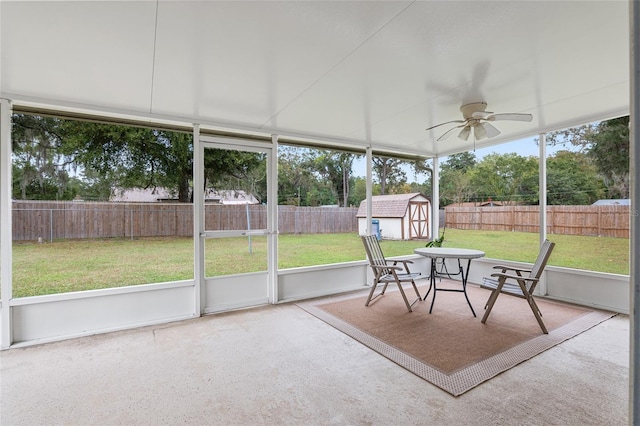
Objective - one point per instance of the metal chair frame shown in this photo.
(525, 284)
(388, 271)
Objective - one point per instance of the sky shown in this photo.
(522, 147)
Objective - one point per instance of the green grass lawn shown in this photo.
(74, 265)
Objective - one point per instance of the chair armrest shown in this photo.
(399, 261)
(509, 268)
(376, 267)
(515, 277)
(404, 262)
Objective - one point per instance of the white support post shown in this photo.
(272, 214)
(369, 192)
(542, 171)
(198, 222)
(435, 199)
(542, 195)
(634, 174)
(6, 331)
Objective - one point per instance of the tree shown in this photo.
(296, 177)
(132, 157)
(236, 170)
(336, 168)
(572, 179)
(607, 144)
(359, 191)
(455, 185)
(610, 153)
(463, 161)
(390, 174)
(105, 156)
(509, 178)
(40, 171)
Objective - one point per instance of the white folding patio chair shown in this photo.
(388, 271)
(523, 286)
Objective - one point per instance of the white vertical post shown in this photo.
(369, 192)
(272, 214)
(6, 331)
(249, 225)
(198, 222)
(634, 174)
(542, 197)
(542, 172)
(435, 199)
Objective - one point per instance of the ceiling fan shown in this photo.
(477, 120)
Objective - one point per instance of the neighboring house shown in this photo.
(154, 195)
(229, 196)
(619, 202)
(141, 195)
(488, 203)
(399, 216)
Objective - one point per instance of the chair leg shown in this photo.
(404, 296)
(536, 312)
(532, 304)
(415, 288)
(492, 300)
(373, 289)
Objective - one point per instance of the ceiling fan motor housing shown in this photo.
(468, 109)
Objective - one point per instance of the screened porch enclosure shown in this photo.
(365, 77)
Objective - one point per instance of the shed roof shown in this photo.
(395, 205)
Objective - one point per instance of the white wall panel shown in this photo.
(588, 288)
(604, 291)
(61, 316)
(55, 317)
(304, 283)
(235, 291)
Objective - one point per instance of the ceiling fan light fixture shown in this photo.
(489, 129)
(479, 132)
(464, 133)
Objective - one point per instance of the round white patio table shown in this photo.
(444, 253)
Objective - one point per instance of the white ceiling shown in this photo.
(361, 73)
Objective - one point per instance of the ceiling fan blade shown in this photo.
(488, 130)
(442, 124)
(510, 117)
(464, 133)
(481, 115)
(448, 133)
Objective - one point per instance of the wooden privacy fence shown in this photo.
(603, 221)
(50, 220)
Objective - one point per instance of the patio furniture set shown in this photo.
(509, 280)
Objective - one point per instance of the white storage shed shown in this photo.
(399, 216)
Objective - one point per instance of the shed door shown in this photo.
(418, 220)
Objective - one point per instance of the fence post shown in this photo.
(50, 225)
(599, 221)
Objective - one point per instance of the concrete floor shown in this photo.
(280, 365)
